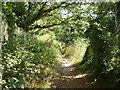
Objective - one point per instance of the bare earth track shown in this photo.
(71, 77)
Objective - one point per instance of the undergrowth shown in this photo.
(28, 62)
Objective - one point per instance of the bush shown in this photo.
(28, 63)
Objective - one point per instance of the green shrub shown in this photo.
(28, 63)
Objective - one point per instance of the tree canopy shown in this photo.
(49, 29)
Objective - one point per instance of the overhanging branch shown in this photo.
(47, 26)
(53, 8)
(43, 13)
(39, 15)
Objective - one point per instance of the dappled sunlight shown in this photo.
(66, 63)
(74, 77)
(80, 76)
(62, 44)
(71, 76)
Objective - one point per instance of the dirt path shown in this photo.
(71, 77)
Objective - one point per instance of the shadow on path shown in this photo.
(71, 77)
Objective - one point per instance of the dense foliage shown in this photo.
(102, 53)
(38, 31)
(30, 64)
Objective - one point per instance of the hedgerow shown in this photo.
(28, 63)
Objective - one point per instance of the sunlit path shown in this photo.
(71, 77)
